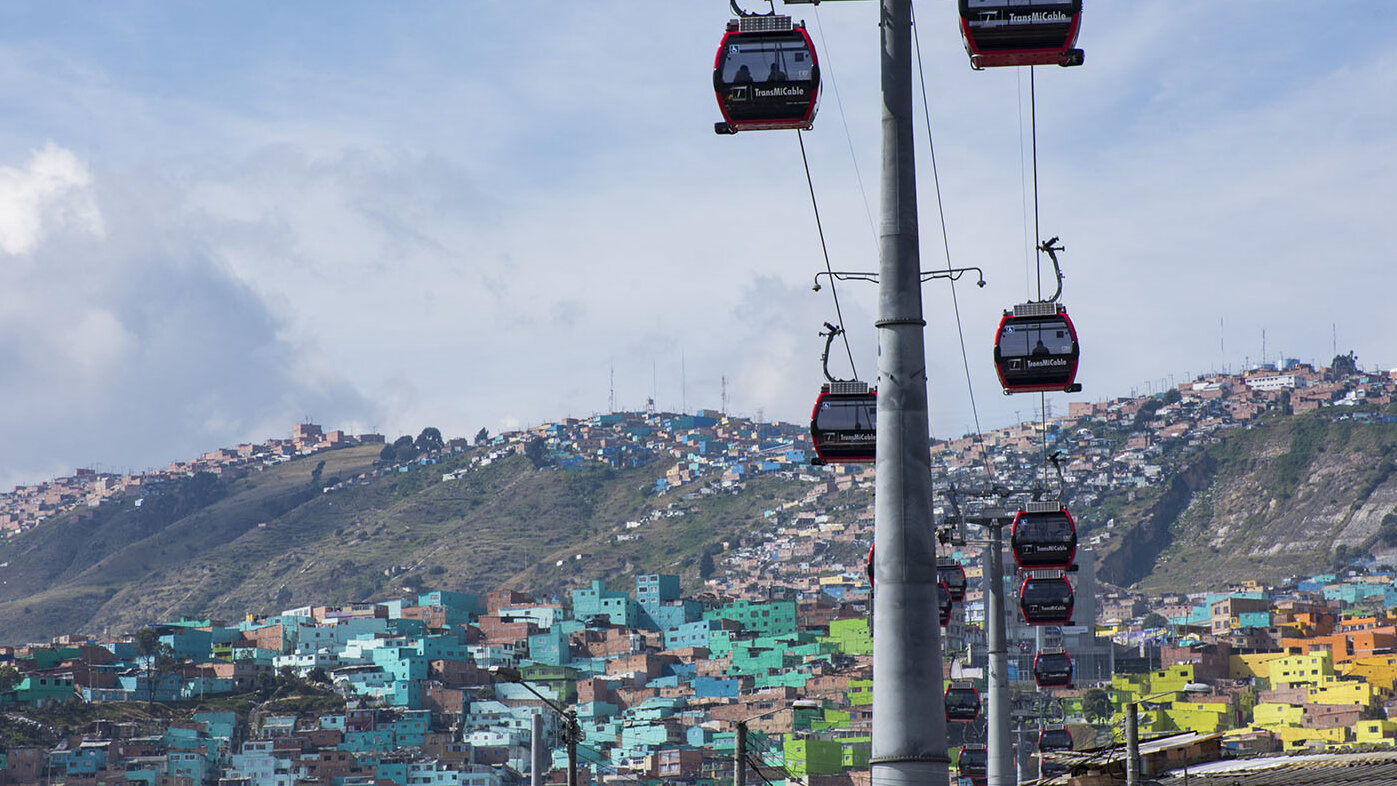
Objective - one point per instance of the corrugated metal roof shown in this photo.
(1368, 769)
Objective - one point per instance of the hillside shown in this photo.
(272, 540)
(1289, 496)
(1280, 496)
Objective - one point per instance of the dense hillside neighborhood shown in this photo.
(445, 687)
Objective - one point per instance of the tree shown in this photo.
(536, 450)
(1097, 704)
(388, 453)
(706, 566)
(404, 449)
(1344, 365)
(482, 436)
(1172, 396)
(1154, 620)
(9, 678)
(160, 658)
(429, 440)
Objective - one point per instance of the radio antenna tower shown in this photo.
(724, 406)
(611, 399)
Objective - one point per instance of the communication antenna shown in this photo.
(683, 385)
(611, 400)
(723, 407)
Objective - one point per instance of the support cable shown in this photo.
(828, 70)
(838, 313)
(946, 245)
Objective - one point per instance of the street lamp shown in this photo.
(571, 732)
(739, 747)
(1132, 729)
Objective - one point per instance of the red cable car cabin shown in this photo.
(1052, 670)
(1046, 601)
(844, 423)
(1044, 539)
(765, 75)
(1036, 351)
(974, 763)
(962, 703)
(953, 575)
(1054, 739)
(1021, 32)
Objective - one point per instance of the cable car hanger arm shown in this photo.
(1051, 247)
(824, 356)
(952, 274)
(736, 9)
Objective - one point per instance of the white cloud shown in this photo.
(48, 192)
(458, 217)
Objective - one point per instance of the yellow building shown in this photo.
(1377, 732)
(1308, 669)
(1241, 667)
(1273, 715)
(1351, 692)
(1377, 670)
(1204, 718)
(1296, 738)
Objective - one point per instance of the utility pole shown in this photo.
(1001, 770)
(739, 755)
(909, 719)
(1000, 739)
(1132, 744)
(536, 751)
(571, 729)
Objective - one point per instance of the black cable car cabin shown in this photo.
(944, 603)
(1021, 32)
(1044, 539)
(1036, 350)
(1054, 739)
(962, 703)
(1046, 601)
(974, 763)
(765, 75)
(844, 423)
(953, 576)
(1052, 670)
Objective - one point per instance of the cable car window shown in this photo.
(953, 576)
(1055, 740)
(848, 414)
(973, 762)
(962, 704)
(766, 60)
(1021, 339)
(1047, 592)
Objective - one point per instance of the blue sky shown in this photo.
(218, 219)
